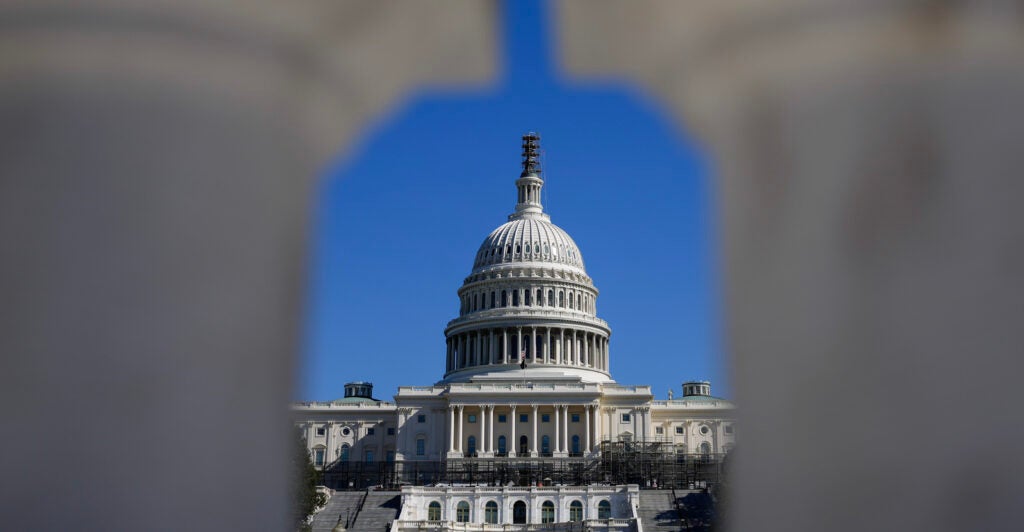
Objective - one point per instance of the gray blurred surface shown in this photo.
(868, 173)
(155, 165)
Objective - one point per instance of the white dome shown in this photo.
(528, 240)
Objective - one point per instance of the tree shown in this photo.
(305, 478)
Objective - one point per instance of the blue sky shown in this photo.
(397, 223)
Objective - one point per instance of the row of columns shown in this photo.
(561, 346)
(527, 297)
(487, 442)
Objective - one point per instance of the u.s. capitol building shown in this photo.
(526, 403)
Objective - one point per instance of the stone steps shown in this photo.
(657, 510)
(341, 505)
(379, 510)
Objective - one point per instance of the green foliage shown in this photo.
(306, 478)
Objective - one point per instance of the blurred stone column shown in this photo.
(155, 168)
(868, 174)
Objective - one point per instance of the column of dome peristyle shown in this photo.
(528, 308)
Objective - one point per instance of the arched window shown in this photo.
(570, 300)
(519, 249)
(528, 248)
(515, 298)
(526, 298)
(519, 513)
(492, 299)
(540, 347)
(504, 298)
(561, 299)
(526, 344)
(576, 511)
(434, 511)
(318, 455)
(547, 249)
(491, 512)
(705, 448)
(551, 298)
(502, 445)
(575, 444)
(540, 297)
(604, 510)
(344, 452)
(524, 444)
(545, 445)
(579, 301)
(462, 512)
(475, 301)
(547, 512)
(421, 446)
(472, 446)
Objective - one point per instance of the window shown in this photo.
(421, 418)
(626, 418)
(318, 456)
(519, 512)
(391, 431)
(547, 512)
(462, 512)
(472, 418)
(369, 431)
(576, 511)
(472, 445)
(705, 448)
(575, 418)
(561, 299)
(492, 299)
(679, 429)
(502, 418)
(369, 457)
(502, 445)
(345, 431)
(575, 444)
(540, 297)
(551, 298)
(515, 298)
(320, 431)
(344, 453)
(524, 444)
(504, 298)
(526, 298)
(545, 418)
(659, 430)
(421, 446)
(524, 418)
(545, 445)
(390, 456)
(604, 510)
(704, 430)
(434, 511)
(491, 512)
(728, 429)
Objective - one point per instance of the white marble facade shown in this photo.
(526, 368)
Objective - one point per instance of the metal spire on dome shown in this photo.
(531, 154)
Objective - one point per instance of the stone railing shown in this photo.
(514, 313)
(327, 405)
(611, 525)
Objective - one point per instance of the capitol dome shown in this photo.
(528, 309)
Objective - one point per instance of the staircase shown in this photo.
(379, 510)
(342, 506)
(658, 511)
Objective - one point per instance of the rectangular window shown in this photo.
(391, 431)
(421, 418)
(502, 418)
(369, 457)
(659, 430)
(524, 418)
(575, 418)
(390, 456)
(369, 431)
(472, 418)
(728, 429)
(320, 431)
(626, 418)
(421, 447)
(545, 418)
(318, 457)
(679, 429)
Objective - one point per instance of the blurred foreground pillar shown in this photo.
(155, 166)
(869, 165)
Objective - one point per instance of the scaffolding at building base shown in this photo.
(653, 464)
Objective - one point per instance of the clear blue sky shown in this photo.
(397, 224)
